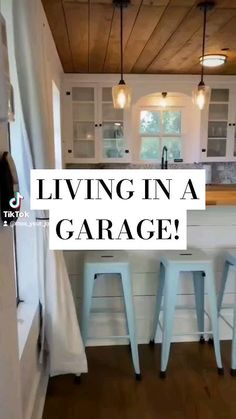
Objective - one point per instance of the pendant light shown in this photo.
(121, 93)
(163, 101)
(202, 92)
(213, 60)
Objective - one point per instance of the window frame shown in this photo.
(17, 285)
(160, 135)
(14, 249)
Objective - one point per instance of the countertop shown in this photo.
(221, 194)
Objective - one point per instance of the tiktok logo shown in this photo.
(16, 201)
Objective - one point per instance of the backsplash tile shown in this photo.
(224, 173)
(221, 173)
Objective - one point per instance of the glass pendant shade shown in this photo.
(121, 94)
(201, 93)
(163, 101)
(201, 96)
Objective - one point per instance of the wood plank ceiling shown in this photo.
(160, 36)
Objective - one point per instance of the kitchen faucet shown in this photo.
(164, 161)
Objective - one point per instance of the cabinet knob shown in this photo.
(203, 150)
(100, 125)
(69, 151)
(233, 125)
(127, 151)
(96, 125)
(68, 93)
(230, 124)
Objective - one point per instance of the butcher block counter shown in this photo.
(221, 194)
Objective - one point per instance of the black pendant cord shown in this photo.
(203, 42)
(121, 44)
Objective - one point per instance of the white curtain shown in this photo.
(31, 129)
(66, 349)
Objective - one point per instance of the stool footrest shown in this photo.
(107, 311)
(227, 306)
(110, 337)
(188, 307)
(202, 339)
(207, 332)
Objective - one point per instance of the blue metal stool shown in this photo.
(172, 263)
(104, 262)
(229, 261)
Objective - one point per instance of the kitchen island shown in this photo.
(213, 230)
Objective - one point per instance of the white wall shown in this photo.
(56, 105)
(24, 366)
(53, 74)
(212, 230)
(31, 372)
(10, 396)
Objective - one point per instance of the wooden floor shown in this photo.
(192, 389)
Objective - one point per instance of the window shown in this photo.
(159, 128)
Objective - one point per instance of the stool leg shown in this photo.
(198, 282)
(170, 295)
(129, 309)
(158, 303)
(88, 284)
(210, 285)
(222, 285)
(233, 348)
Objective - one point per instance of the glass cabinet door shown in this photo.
(218, 123)
(113, 142)
(83, 113)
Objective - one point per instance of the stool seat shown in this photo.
(98, 263)
(185, 260)
(106, 261)
(171, 264)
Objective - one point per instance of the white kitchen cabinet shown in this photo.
(218, 126)
(93, 131)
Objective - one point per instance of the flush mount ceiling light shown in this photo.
(202, 92)
(121, 93)
(213, 60)
(163, 101)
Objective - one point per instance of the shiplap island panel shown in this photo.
(212, 230)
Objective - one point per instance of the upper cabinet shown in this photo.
(113, 144)
(218, 130)
(93, 131)
(84, 117)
